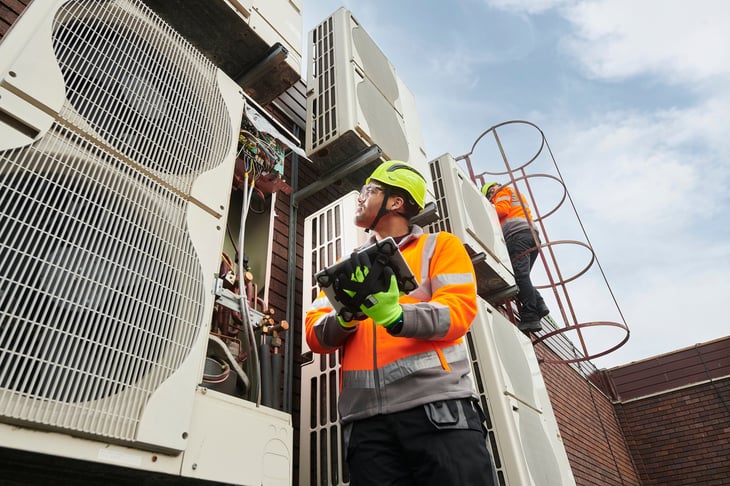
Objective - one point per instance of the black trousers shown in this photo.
(530, 298)
(439, 444)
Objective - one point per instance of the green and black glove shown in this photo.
(383, 307)
(357, 277)
(368, 289)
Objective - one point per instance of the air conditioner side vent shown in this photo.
(465, 213)
(355, 100)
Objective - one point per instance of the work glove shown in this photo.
(383, 307)
(358, 276)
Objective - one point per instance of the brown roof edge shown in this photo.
(684, 367)
(670, 353)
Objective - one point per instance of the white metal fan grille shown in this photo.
(142, 88)
(100, 287)
(329, 234)
(444, 222)
(323, 81)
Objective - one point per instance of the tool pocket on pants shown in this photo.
(453, 414)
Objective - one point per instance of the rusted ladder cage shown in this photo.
(531, 169)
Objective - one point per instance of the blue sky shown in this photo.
(634, 101)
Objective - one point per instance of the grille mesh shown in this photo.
(101, 289)
(329, 235)
(136, 83)
(324, 123)
(99, 286)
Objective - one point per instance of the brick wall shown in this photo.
(279, 289)
(9, 12)
(591, 432)
(681, 437)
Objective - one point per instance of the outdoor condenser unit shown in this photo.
(523, 433)
(258, 43)
(355, 99)
(466, 213)
(329, 235)
(117, 145)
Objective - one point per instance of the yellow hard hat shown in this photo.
(487, 186)
(401, 174)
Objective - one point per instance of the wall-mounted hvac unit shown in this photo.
(466, 213)
(523, 433)
(258, 43)
(117, 145)
(355, 99)
(329, 235)
(279, 21)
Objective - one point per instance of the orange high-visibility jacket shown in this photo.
(427, 361)
(508, 207)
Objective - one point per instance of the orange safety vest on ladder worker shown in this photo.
(428, 360)
(508, 207)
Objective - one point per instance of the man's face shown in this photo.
(492, 191)
(368, 204)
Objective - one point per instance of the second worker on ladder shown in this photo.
(522, 248)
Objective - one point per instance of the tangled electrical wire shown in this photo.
(261, 153)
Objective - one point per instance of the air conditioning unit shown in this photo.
(466, 213)
(117, 147)
(255, 42)
(523, 432)
(329, 236)
(279, 21)
(355, 99)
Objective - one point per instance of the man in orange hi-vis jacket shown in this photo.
(407, 402)
(522, 249)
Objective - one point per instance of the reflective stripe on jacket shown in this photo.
(427, 360)
(508, 207)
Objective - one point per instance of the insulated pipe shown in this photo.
(245, 314)
(277, 361)
(266, 382)
(291, 285)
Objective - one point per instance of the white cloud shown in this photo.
(684, 41)
(651, 190)
(614, 39)
(528, 6)
(673, 310)
(649, 168)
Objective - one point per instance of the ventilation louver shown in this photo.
(329, 235)
(522, 430)
(111, 196)
(466, 213)
(355, 99)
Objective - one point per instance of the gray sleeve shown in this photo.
(425, 320)
(330, 333)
